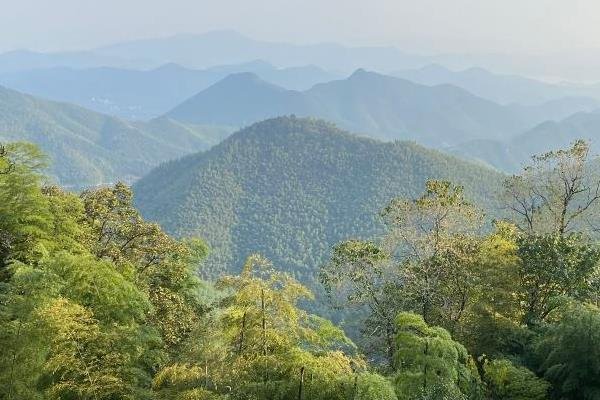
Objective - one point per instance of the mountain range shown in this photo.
(373, 104)
(229, 47)
(511, 155)
(145, 94)
(290, 187)
(223, 47)
(89, 148)
(500, 88)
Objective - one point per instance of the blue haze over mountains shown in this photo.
(188, 92)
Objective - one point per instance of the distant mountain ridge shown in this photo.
(381, 106)
(88, 148)
(134, 94)
(229, 47)
(500, 88)
(511, 155)
(205, 50)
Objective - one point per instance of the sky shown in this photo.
(418, 26)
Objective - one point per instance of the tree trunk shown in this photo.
(301, 387)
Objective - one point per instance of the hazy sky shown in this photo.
(423, 26)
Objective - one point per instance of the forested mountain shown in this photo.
(512, 154)
(501, 88)
(88, 148)
(135, 94)
(289, 188)
(385, 107)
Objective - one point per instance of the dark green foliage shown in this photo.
(569, 353)
(554, 268)
(427, 361)
(507, 381)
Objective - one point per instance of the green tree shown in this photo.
(431, 237)
(90, 322)
(492, 325)
(557, 193)
(553, 267)
(164, 268)
(360, 274)
(507, 381)
(427, 361)
(370, 386)
(267, 347)
(24, 216)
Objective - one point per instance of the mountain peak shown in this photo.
(435, 68)
(361, 73)
(242, 76)
(170, 67)
(243, 80)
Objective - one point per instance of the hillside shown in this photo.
(89, 148)
(377, 105)
(135, 94)
(289, 188)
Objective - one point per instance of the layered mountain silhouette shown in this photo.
(503, 88)
(381, 106)
(512, 155)
(145, 94)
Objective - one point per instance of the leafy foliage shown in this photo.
(568, 353)
(508, 381)
(427, 360)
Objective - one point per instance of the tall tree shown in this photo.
(553, 268)
(427, 360)
(361, 274)
(557, 193)
(24, 216)
(431, 237)
(270, 348)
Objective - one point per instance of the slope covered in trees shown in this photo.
(380, 106)
(289, 188)
(88, 148)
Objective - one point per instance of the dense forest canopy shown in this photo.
(98, 303)
(290, 188)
